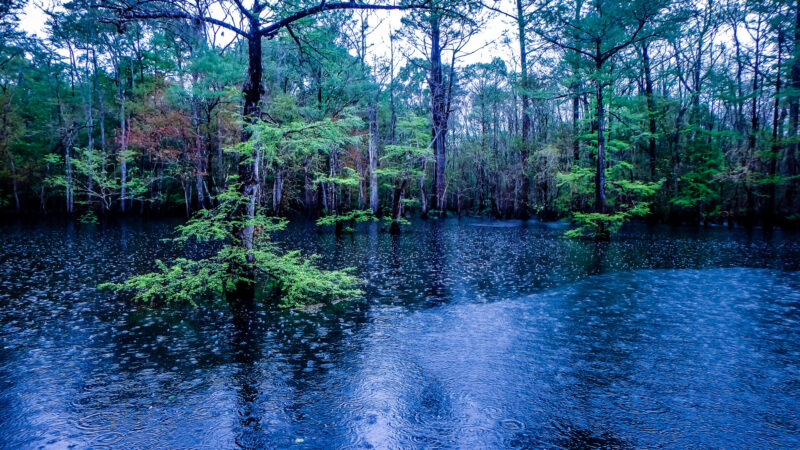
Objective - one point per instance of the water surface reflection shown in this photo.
(472, 333)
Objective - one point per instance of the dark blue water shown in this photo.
(472, 334)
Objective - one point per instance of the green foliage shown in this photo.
(347, 177)
(296, 279)
(92, 179)
(626, 190)
(352, 217)
(699, 185)
(577, 182)
(299, 281)
(88, 217)
(280, 142)
(411, 202)
(403, 161)
(626, 195)
(400, 221)
(596, 225)
(184, 280)
(436, 213)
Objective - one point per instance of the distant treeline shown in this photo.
(598, 111)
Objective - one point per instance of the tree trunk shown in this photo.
(199, 146)
(794, 112)
(439, 115)
(739, 70)
(277, 191)
(5, 135)
(187, 198)
(777, 134)
(123, 146)
(524, 209)
(102, 113)
(42, 198)
(396, 207)
(648, 89)
(244, 291)
(576, 108)
(197, 36)
(373, 158)
(14, 185)
(754, 125)
(423, 196)
(676, 150)
(310, 192)
(600, 176)
(88, 105)
(68, 171)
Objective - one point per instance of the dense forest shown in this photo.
(597, 111)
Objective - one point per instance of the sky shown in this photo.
(483, 47)
(33, 19)
(486, 45)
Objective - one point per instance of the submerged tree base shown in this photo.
(235, 270)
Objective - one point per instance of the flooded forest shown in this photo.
(399, 223)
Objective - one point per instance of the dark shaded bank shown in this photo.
(472, 333)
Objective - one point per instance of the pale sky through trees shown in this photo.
(486, 45)
(496, 38)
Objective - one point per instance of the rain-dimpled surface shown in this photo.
(473, 334)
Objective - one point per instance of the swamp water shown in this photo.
(472, 334)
